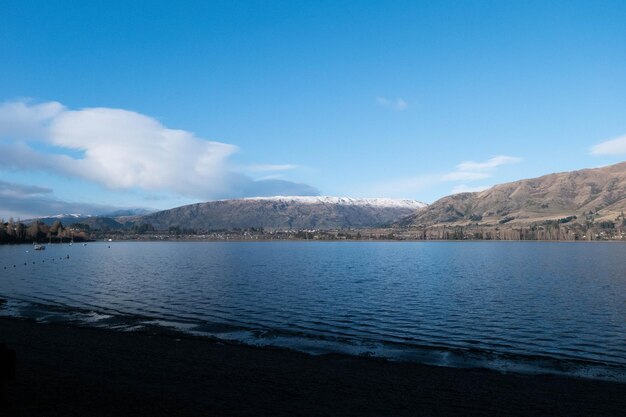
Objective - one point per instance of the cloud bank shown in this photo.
(615, 146)
(126, 150)
(27, 201)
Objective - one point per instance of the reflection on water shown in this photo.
(509, 305)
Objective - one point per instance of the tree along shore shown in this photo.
(17, 232)
(39, 232)
(537, 233)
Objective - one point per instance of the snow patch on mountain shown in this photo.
(70, 216)
(346, 201)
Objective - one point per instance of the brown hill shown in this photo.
(591, 195)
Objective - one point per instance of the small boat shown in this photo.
(39, 247)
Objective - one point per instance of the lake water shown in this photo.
(513, 306)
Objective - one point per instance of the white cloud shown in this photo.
(488, 165)
(27, 121)
(397, 104)
(270, 167)
(465, 171)
(472, 171)
(462, 188)
(122, 149)
(615, 146)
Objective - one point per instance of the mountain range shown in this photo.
(283, 213)
(107, 220)
(579, 197)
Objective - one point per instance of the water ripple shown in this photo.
(490, 300)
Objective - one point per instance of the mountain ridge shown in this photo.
(573, 202)
(596, 194)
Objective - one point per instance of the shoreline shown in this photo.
(438, 356)
(325, 241)
(68, 370)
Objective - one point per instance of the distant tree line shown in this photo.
(12, 231)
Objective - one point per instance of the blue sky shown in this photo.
(159, 104)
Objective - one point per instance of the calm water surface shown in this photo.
(521, 306)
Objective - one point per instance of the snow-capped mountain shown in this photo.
(285, 212)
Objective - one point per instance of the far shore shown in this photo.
(325, 241)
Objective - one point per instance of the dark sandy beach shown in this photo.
(73, 371)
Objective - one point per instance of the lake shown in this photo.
(513, 306)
